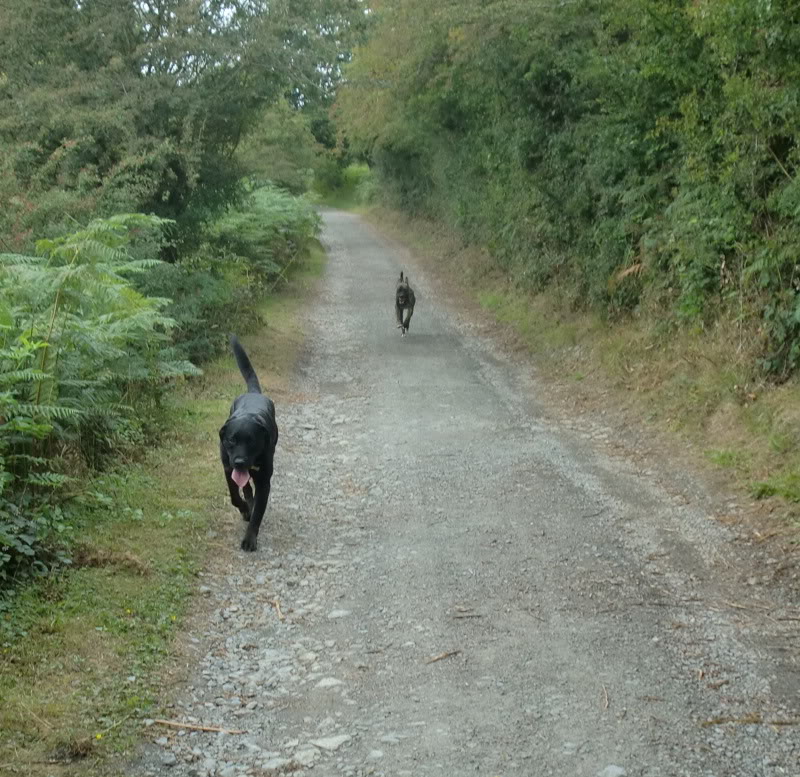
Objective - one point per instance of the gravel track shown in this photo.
(465, 585)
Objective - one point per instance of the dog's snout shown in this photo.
(239, 462)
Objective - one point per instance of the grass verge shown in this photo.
(697, 384)
(82, 652)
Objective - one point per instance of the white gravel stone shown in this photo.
(307, 756)
(329, 682)
(612, 771)
(331, 743)
(333, 614)
(169, 759)
(276, 763)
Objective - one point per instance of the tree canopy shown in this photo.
(139, 105)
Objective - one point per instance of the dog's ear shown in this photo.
(264, 424)
(401, 276)
(222, 430)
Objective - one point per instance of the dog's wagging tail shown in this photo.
(247, 443)
(245, 367)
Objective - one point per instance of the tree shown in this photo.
(280, 149)
(139, 105)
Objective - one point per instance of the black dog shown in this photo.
(404, 300)
(247, 446)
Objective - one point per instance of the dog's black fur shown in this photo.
(404, 299)
(247, 442)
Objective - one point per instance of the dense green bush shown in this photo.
(207, 297)
(349, 186)
(636, 153)
(267, 231)
(84, 361)
(92, 333)
(280, 149)
(217, 289)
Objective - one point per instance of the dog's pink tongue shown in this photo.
(241, 477)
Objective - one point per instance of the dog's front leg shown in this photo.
(248, 497)
(250, 540)
(409, 313)
(398, 311)
(236, 497)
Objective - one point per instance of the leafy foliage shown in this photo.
(140, 105)
(243, 254)
(640, 154)
(280, 149)
(267, 231)
(84, 360)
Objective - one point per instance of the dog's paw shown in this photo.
(249, 543)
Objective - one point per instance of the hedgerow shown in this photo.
(640, 155)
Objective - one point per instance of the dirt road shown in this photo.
(449, 582)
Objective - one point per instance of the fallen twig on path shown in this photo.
(465, 612)
(750, 607)
(594, 515)
(755, 718)
(196, 727)
(446, 654)
(605, 700)
(277, 605)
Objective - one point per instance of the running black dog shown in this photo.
(247, 443)
(404, 300)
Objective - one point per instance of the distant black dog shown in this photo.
(247, 446)
(404, 300)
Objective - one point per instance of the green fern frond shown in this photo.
(12, 260)
(22, 376)
(138, 265)
(45, 411)
(13, 458)
(175, 369)
(86, 384)
(48, 479)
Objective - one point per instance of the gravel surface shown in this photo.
(449, 581)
